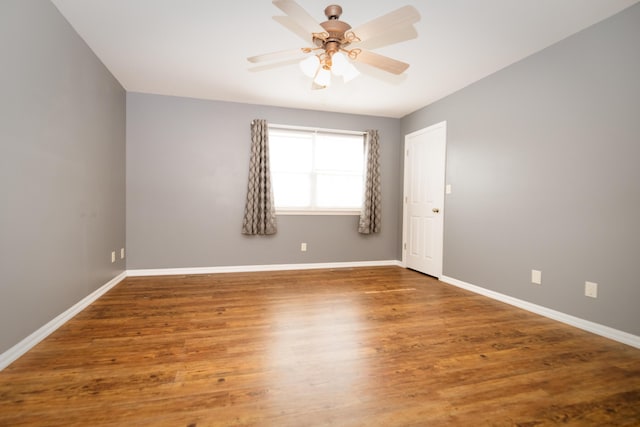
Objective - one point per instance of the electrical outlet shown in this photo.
(113, 256)
(591, 289)
(536, 277)
(303, 247)
(121, 253)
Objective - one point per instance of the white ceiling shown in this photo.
(198, 48)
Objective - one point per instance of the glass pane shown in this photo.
(290, 153)
(339, 191)
(340, 153)
(291, 190)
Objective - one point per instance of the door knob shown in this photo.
(435, 210)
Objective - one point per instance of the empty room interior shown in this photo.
(297, 213)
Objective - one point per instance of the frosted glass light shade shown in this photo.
(350, 72)
(340, 63)
(323, 77)
(309, 66)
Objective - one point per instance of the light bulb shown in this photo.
(309, 66)
(340, 63)
(323, 77)
(350, 72)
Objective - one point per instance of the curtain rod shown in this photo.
(312, 129)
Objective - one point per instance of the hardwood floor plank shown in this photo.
(378, 346)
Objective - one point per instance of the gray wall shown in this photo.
(187, 169)
(543, 162)
(62, 166)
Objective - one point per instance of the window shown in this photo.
(316, 171)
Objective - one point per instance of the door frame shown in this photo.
(405, 222)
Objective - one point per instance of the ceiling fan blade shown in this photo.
(276, 56)
(404, 16)
(299, 15)
(292, 26)
(385, 63)
(400, 35)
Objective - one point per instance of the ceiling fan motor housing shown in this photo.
(336, 30)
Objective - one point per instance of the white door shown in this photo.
(423, 221)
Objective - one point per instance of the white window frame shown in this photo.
(314, 210)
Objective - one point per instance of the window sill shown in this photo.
(317, 212)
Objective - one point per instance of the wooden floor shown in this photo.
(378, 346)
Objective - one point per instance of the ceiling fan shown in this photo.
(335, 43)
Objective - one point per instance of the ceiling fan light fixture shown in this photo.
(309, 66)
(350, 72)
(323, 77)
(340, 64)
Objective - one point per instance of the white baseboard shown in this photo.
(254, 268)
(596, 328)
(29, 342)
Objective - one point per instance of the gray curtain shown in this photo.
(259, 211)
(370, 216)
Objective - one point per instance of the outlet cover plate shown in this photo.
(591, 289)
